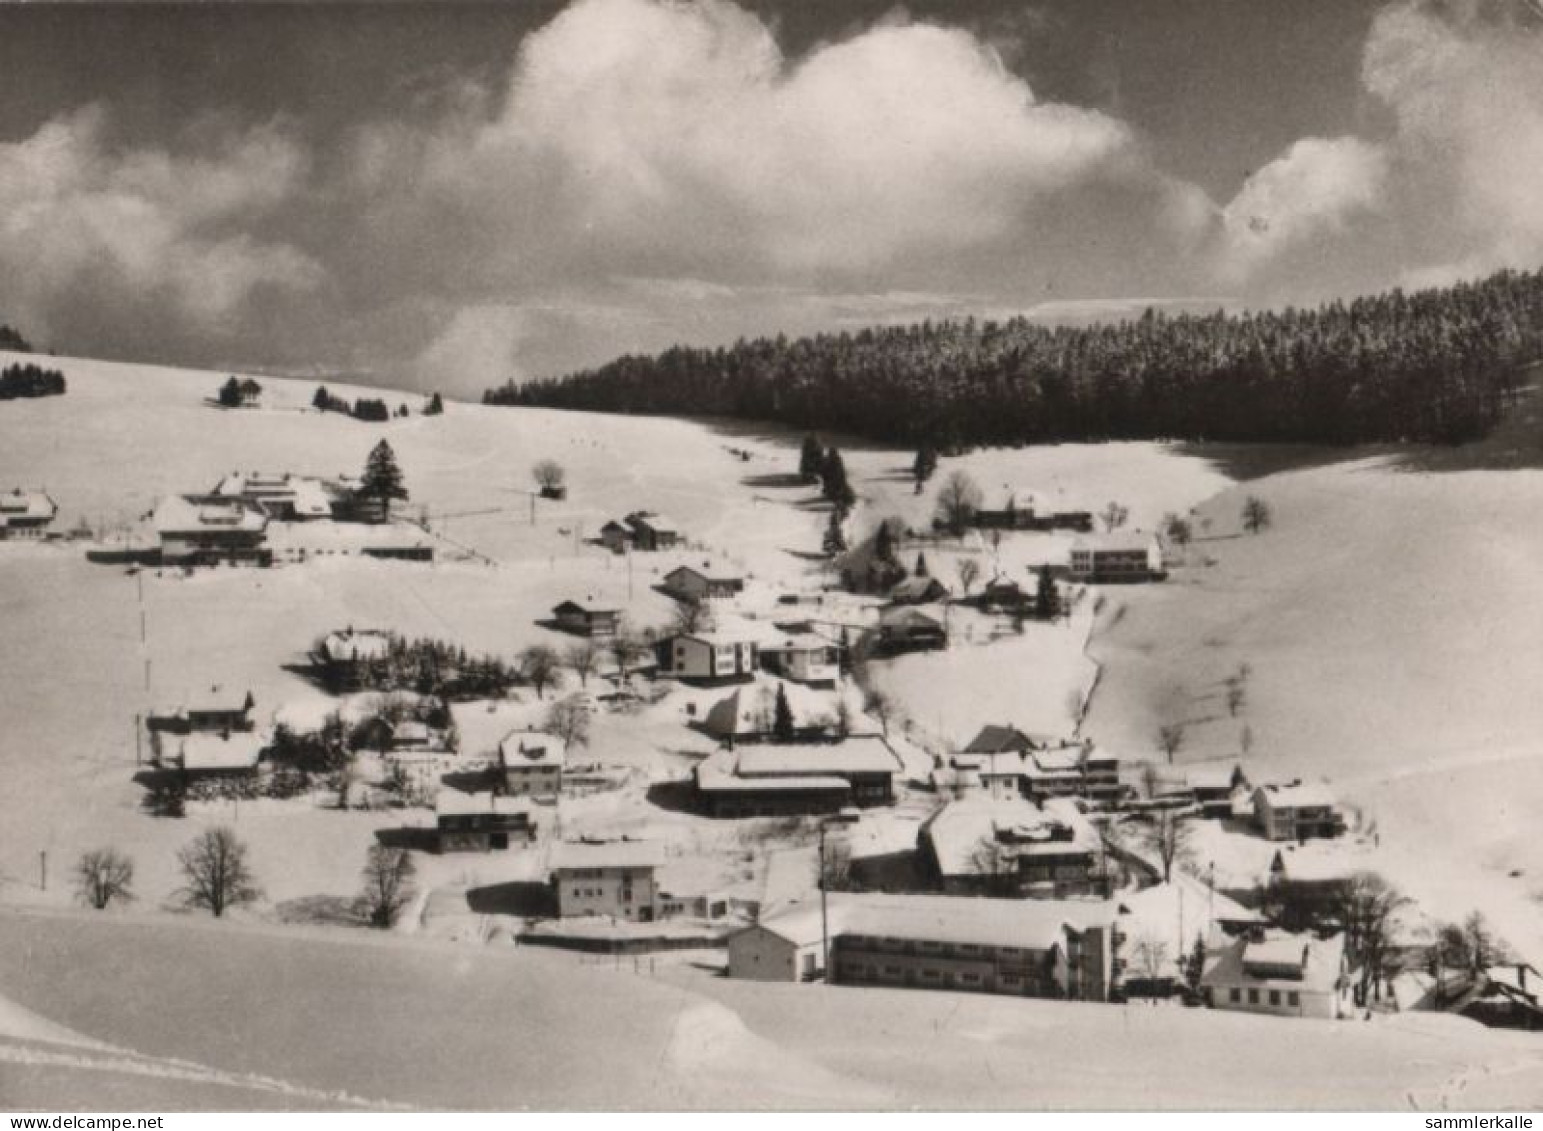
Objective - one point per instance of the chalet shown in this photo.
(531, 763)
(1278, 973)
(709, 582)
(480, 822)
(207, 530)
(748, 713)
(788, 779)
(987, 845)
(210, 754)
(707, 657)
(1003, 594)
(279, 495)
(1217, 790)
(1002, 946)
(1296, 811)
(804, 657)
(344, 659)
(209, 709)
(1116, 557)
(1178, 911)
(909, 630)
(917, 591)
(1006, 761)
(25, 514)
(652, 532)
(616, 537)
(573, 617)
(615, 879)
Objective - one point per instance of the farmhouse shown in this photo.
(802, 656)
(345, 658)
(1116, 557)
(707, 657)
(1278, 973)
(652, 531)
(571, 616)
(616, 537)
(1296, 811)
(1007, 761)
(1015, 513)
(1218, 791)
(917, 591)
(787, 779)
(279, 495)
(208, 709)
(210, 754)
(909, 630)
(748, 713)
(531, 763)
(480, 822)
(986, 845)
(1506, 997)
(207, 530)
(615, 879)
(709, 582)
(25, 514)
(1002, 946)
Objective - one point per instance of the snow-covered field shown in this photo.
(1386, 617)
(1393, 625)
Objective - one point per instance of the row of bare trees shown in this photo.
(218, 876)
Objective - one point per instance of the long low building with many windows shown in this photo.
(1022, 948)
(774, 779)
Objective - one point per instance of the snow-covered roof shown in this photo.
(362, 644)
(453, 803)
(310, 497)
(1114, 542)
(26, 506)
(860, 754)
(707, 570)
(1030, 924)
(1251, 963)
(1298, 795)
(214, 699)
(655, 522)
(576, 607)
(795, 642)
(208, 750)
(717, 638)
(908, 618)
(532, 749)
(1012, 826)
(193, 514)
(569, 855)
(994, 739)
(748, 709)
(1159, 910)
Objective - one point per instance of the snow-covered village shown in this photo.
(928, 709)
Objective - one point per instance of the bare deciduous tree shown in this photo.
(540, 665)
(878, 704)
(996, 865)
(691, 616)
(568, 719)
(627, 648)
(103, 875)
(1236, 696)
(548, 474)
(1366, 905)
(1167, 836)
(216, 870)
(582, 658)
(969, 572)
(388, 885)
(1114, 516)
(958, 500)
(1170, 739)
(1151, 957)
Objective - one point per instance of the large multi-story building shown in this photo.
(615, 879)
(776, 779)
(25, 514)
(208, 530)
(531, 762)
(1116, 557)
(1297, 811)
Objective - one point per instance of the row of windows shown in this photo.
(1293, 998)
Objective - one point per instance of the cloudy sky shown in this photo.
(446, 195)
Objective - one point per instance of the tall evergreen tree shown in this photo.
(811, 459)
(230, 394)
(921, 566)
(1044, 596)
(835, 538)
(782, 717)
(382, 480)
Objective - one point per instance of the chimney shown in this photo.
(1521, 975)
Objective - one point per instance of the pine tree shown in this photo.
(323, 399)
(835, 537)
(925, 464)
(884, 544)
(1194, 965)
(921, 566)
(383, 478)
(782, 717)
(230, 394)
(811, 459)
(1044, 597)
(434, 407)
(833, 477)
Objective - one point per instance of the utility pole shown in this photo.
(824, 912)
(43, 869)
(138, 758)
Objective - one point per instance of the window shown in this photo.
(1253, 997)
(1293, 999)
(1274, 997)
(1235, 995)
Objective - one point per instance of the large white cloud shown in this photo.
(142, 231)
(1314, 189)
(1464, 81)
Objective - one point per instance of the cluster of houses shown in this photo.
(230, 524)
(646, 531)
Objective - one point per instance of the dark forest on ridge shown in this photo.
(1435, 366)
